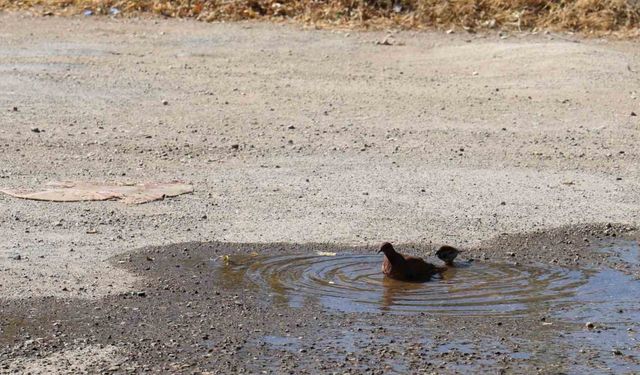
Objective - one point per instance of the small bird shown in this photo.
(404, 267)
(447, 254)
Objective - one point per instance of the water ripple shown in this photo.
(354, 283)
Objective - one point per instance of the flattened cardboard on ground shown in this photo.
(75, 191)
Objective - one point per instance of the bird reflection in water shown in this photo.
(403, 293)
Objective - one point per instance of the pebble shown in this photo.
(165, 102)
(36, 130)
(589, 325)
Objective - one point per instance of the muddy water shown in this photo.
(566, 299)
(354, 283)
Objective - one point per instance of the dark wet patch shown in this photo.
(198, 310)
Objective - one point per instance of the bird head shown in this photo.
(447, 254)
(387, 249)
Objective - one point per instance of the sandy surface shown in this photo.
(375, 153)
(299, 136)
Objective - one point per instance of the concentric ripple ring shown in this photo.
(354, 283)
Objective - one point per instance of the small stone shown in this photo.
(589, 325)
(141, 294)
(165, 102)
(235, 146)
(503, 203)
(291, 127)
(15, 109)
(36, 130)
(633, 114)
(16, 257)
(617, 352)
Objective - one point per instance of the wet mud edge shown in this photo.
(180, 320)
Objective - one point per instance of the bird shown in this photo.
(405, 267)
(447, 254)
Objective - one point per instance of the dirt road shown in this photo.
(300, 136)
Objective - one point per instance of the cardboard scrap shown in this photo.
(75, 191)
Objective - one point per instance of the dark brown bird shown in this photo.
(447, 254)
(404, 267)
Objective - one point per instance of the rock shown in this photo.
(589, 325)
(35, 130)
(15, 257)
(165, 102)
(235, 146)
(633, 114)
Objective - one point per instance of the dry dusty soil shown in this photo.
(523, 150)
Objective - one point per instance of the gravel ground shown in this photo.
(297, 136)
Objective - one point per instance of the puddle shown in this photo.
(627, 252)
(608, 296)
(354, 283)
